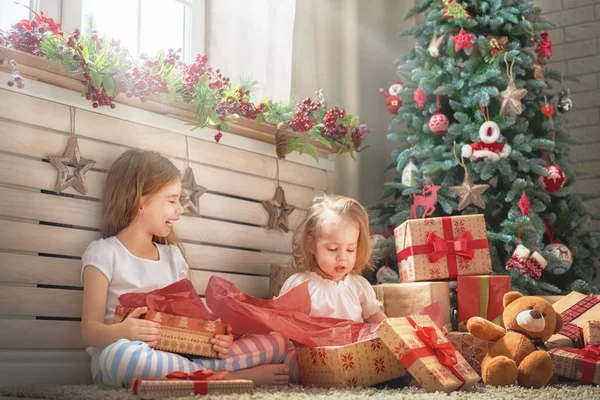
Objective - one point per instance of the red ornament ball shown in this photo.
(438, 123)
(554, 181)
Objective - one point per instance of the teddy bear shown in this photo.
(514, 357)
(393, 102)
(489, 148)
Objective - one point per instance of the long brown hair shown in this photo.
(134, 174)
(331, 210)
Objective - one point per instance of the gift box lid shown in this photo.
(174, 321)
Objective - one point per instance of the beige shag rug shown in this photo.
(294, 392)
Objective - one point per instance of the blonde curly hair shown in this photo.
(327, 210)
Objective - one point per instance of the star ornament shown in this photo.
(191, 192)
(511, 100)
(71, 157)
(279, 210)
(463, 40)
(469, 193)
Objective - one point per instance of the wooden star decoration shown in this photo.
(469, 193)
(511, 100)
(279, 211)
(71, 157)
(191, 192)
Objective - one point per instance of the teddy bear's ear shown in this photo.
(510, 297)
(559, 323)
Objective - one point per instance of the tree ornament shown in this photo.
(488, 147)
(279, 210)
(393, 102)
(555, 179)
(463, 40)
(468, 192)
(497, 45)
(544, 48)
(427, 200)
(548, 110)
(190, 192)
(535, 264)
(434, 45)
(518, 259)
(419, 97)
(438, 123)
(454, 10)
(511, 97)
(410, 174)
(524, 204)
(564, 255)
(565, 104)
(538, 72)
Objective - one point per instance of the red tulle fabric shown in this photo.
(287, 315)
(179, 298)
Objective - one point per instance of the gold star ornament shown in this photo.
(511, 100)
(71, 157)
(279, 211)
(191, 192)
(469, 193)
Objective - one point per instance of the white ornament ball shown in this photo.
(438, 123)
(563, 253)
(378, 253)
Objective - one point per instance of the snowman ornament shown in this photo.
(488, 147)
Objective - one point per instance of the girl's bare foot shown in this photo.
(268, 374)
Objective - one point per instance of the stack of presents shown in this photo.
(425, 339)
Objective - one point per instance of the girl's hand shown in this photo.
(222, 343)
(135, 328)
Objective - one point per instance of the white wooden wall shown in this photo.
(43, 235)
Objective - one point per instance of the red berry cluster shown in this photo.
(193, 72)
(148, 79)
(357, 135)
(26, 35)
(15, 73)
(303, 120)
(333, 129)
(242, 106)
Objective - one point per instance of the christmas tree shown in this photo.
(482, 118)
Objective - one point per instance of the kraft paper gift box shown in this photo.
(581, 364)
(591, 332)
(576, 309)
(427, 354)
(181, 384)
(482, 296)
(433, 249)
(364, 363)
(471, 348)
(182, 335)
(403, 299)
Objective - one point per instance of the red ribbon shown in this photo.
(200, 379)
(445, 352)
(437, 247)
(590, 357)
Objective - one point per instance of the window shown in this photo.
(11, 12)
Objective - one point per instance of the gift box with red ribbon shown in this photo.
(427, 354)
(591, 332)
(575, 309)
(472, 349)
(482, 296)
(432, 249)
(581, 364)
(181, 384)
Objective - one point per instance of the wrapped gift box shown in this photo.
(426, 353)
(433, 249)
(471, 348)
(591, 332)
(182, 335)
(576, 309)
(552, 299)
(582, 364)
(403, 299)
(186, 385)
(482, 296)
(364, 363)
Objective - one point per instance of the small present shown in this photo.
(179, 334)
(581, 364)
(433, 249)
(403, 299)
(591, 332)
(575, 309)
(427, 354)
(181, 384)
(482, 296)
(364, 363)
(472, 349)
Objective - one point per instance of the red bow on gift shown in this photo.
(201, 375)
(591, 356)
(445, 352)
(591, 351)
(458, 246)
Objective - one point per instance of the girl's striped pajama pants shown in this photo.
(124, 360)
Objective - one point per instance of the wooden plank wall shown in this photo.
(43, 235)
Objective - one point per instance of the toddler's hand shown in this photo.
(135, 328)
(222, 343)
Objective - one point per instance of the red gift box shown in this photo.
(482, 296)
(582, 364)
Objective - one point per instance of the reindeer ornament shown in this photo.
(426, 200)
